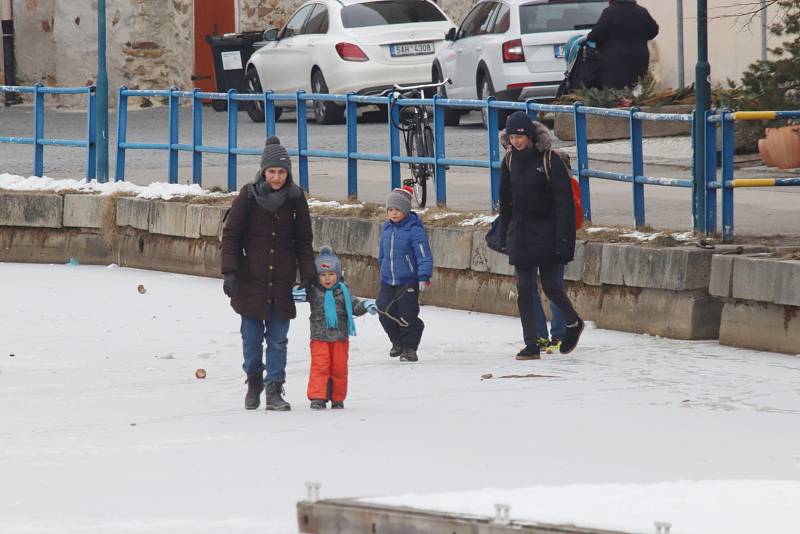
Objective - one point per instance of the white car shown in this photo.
(512, 49)
(343, 46)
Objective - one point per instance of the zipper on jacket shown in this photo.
(391, 257)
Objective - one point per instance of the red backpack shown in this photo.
(576, 186)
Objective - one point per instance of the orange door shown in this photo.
(211, 17)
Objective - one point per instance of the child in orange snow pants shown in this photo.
(331, 322)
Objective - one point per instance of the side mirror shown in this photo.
(271, 34)
(451, 34)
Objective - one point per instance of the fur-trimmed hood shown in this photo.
(541, 138)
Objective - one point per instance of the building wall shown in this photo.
(150, 42)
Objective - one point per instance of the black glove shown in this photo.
(231, 285)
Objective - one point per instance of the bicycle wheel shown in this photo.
(420, 172)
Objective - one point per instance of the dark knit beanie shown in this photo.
(400, 198)
(327, 261)
(275, 155)
(519, 123)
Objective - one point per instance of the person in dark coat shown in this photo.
(621, 34)
(537, 213)
(266, 239)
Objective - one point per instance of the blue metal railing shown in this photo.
(39, 141)
(394, 158)
(728, 183)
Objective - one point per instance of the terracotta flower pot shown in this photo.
(781, 147)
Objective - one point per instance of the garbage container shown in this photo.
(231, 52)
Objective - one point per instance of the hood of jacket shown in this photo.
(541, 138)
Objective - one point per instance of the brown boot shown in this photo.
(275, 401)
(255, 385)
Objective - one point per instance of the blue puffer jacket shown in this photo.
(405, 255)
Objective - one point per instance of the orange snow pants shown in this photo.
(328, 363)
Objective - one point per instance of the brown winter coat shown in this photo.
(277, 244)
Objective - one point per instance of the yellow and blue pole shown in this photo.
(101, 85)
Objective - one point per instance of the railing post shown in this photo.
(122, 132)
(582, 149)
(233, 109)
(352, 147)
(439, 152)
(637, 159)
(494, 150)
(38, 130)
(91, 137)
(710, 174)
(302, 139)
(197, 137)
(174, 129)
(727, 177)
(394, 142)
(269, 114)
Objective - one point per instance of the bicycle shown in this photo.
(415, 123)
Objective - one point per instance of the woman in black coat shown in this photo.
(538, 220)
(621, 34)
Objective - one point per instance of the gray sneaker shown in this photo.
(275, 402)
(408, 355)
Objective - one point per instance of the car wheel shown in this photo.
(255, 109)
(485, 90)
(452, 116)
(325, 112)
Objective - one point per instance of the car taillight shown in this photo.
(351, 52)
(512, 51)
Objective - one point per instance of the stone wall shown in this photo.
(658, 291)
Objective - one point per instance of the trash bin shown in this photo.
(231, 52)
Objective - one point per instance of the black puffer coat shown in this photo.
(537, 212)
(277, 245)
(621, 34)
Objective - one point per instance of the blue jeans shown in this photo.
(557, 326)
(254, 333)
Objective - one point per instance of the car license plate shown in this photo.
(558, 50)
(411, 49)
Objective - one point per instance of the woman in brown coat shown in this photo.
(266, 239)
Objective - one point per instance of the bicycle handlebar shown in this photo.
(407, 89)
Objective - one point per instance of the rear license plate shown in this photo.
(558, 50)
(411, 49)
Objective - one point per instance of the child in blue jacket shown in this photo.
(406, 267)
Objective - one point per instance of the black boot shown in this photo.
(275, 401)
(255, 385)
(318, 404)
(337, 405)
(408, 355)
(530, 352)
(395, 351)
(571, 337)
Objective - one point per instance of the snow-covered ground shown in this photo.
(105, 429)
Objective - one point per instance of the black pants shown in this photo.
(402, 303)
(548, 272)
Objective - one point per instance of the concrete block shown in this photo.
(346, 235)
(721, 276)
(451, 247)
(40, 210)
(168, 218)
(211, 221)
(574, 269)
(134, 212)
(592, 263)
(88, 211)
(673, 314)
(761, 326)
(483, 259)
(194, 217)
(766, 280)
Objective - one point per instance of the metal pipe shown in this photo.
(9, 70)
(703, 103)
(681, 73)
(763, 30)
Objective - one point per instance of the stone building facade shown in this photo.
(151, 42)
